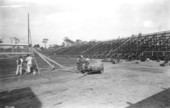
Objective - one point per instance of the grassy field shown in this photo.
(8, 68)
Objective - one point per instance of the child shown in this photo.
(19, 65)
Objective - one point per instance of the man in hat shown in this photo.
(29, 63)
(19, 65)
(80, 62)
(87, 64)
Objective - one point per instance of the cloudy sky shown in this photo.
(82, 19)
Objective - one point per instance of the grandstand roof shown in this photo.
(8, 44)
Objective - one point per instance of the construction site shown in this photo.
(136, 75)
(113, 72)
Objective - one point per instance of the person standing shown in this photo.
(87, 64)
(80, 62)
(19, 65)
(29, 63)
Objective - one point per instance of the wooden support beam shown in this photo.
(47, 58)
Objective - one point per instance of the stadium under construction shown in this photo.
(125, 85)
(155, 46)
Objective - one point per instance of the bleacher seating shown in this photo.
(154, 46)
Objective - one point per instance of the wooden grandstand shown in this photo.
(153, 45)
(14, 49)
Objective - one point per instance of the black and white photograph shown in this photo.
(84, 53)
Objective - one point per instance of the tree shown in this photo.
(63, 44)
(1, 41)
(78, 42)
(55, 46)
(68, 42)
(93, 42)
(140, 34)
(37, 46)
(45, 40)
(41, 48)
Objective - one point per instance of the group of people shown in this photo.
(82, 63)
(20, 63)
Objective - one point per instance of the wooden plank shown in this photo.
(44, 59)
(48, 59)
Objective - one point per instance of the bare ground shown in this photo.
(128, 84)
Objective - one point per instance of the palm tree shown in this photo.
(45, 40)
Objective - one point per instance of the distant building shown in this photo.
(80, 42)
(68, 42)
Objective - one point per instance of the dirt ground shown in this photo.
(124, 85)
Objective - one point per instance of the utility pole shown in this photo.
(28, 29)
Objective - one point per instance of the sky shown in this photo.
(82, 19)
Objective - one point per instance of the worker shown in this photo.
(29, 63)
(87, 64)
(80, 62)
(19, 65)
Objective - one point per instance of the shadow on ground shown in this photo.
(159, 100)
(93, 73)
(19, 98)
(7, 66)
